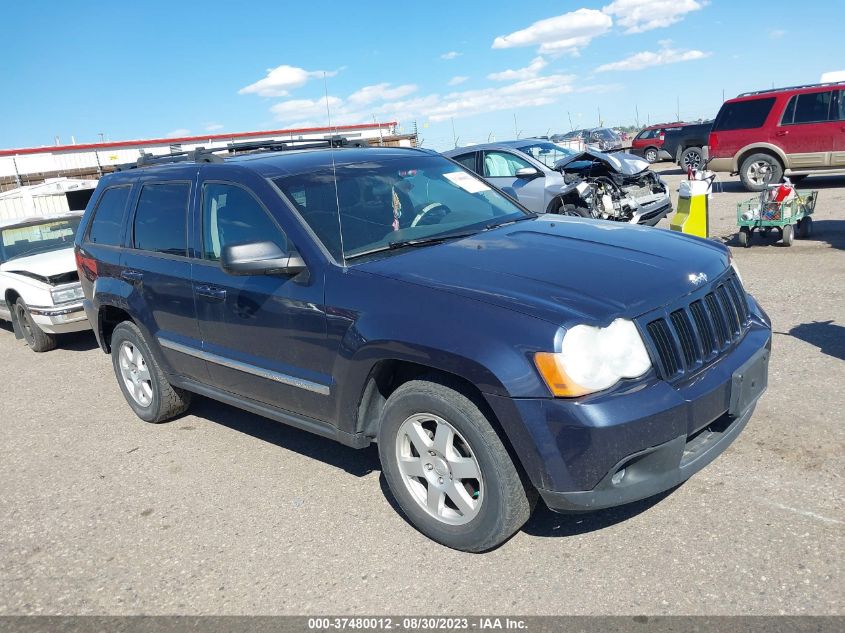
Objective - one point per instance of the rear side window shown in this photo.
(467, 160)
(808, 108)
(646, 134)
(107, 225)
(161, 219)
(743, 115)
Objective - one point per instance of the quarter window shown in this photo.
(107, 224)
(502, 165)
(232, 215)
(467, 160)
(161, 218)
(743, 115)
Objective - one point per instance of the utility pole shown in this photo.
(637, 115)
(678, 109)
(515, 126)
(454, 136)
(569, 116)
(599, 111)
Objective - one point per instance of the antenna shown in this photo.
(334, 173)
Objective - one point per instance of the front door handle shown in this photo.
(781, 132)
(132, 275)
(211, 292)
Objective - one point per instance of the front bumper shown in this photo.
(661, 434)
(651, 214)
(60, 319)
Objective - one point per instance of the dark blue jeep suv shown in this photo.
(389, 295)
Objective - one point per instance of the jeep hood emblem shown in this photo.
(697, 279)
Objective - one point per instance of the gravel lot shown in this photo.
(222, 512)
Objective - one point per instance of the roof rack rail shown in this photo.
(210, 155)
(761, 92)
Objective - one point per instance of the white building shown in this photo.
(29, 165)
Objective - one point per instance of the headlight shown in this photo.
(592, 359)
(66, 295)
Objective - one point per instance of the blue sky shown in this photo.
(493, 69)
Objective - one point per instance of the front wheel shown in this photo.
(37, 339)
(745, 237)
(143, 383)
(650, 155)
(805, 227)
(448, 469)
(788, 235)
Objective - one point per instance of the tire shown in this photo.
(37, 339)
(574, 211)
(788, 235)
(471, 514)
(805, 227)
(692, 157)
(153, 398)
(755, 169)
(744, 237)
(650, 154)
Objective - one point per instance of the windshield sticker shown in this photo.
(467, 182)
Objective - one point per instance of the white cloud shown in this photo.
(563, 34)
(532, 70)
(213, 127)
(638, 16)
(646, 59)
(178, 132)
(776, 34)
(451, 55)
(458, 79)
(282, 79)
(381, 92)
(302, 109)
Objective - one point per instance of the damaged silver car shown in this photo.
(549, 178)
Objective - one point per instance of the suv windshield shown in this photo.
(389, 203)
(20, 241)
(547, 153)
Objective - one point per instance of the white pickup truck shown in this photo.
(40, 291)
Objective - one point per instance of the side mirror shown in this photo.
(527, 172)
(260, 258)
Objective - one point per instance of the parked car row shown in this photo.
(390, 295)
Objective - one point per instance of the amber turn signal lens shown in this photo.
(561, 385)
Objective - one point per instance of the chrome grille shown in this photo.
(694, 334)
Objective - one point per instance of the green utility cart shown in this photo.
(789, 217)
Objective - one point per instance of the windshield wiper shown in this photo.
(421, 241)
(495, 225)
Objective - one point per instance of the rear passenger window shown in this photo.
(232, 215)
(808, 108)
(467, 160)
(743, 115)
(161, 219)
(107, 225)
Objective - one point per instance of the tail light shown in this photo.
(713, 143)
(661, 137)
(86, 266)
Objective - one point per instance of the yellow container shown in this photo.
(693, 209)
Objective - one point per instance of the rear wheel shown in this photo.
(37, 339)
(759, 170)
(692, 157)
(650, 154)
(805, 227)
(744, 237)
(448, 469)
(143, 383)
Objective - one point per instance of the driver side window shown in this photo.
(232, 215)
(502, 165)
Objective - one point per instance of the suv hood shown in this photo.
(52, 267)
(622, 162)
(563, 269)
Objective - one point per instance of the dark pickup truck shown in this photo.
(686, 144)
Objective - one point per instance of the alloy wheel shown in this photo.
(439, 469)
(135, 374)
(760, 172)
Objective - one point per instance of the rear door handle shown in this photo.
(132, 275)
(211, 292)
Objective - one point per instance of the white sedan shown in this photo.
(40, 291)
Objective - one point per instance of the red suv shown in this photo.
(649, 142)
(789, 131)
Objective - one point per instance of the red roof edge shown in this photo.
(48, 149)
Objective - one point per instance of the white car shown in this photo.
(40, 291)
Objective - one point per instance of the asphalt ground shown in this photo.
(223, 512)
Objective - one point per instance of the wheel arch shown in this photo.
(765, 148)
(108, 318)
